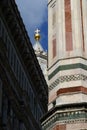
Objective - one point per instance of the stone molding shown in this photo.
(67, 67)
(69, 117)
(72, 90)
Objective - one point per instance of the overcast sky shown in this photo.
(34, 14)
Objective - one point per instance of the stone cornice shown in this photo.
(41, 55)
(78, 116)
(63, 108)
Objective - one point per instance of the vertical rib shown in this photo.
(82, 25)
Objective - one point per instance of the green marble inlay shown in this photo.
(67, 117)
(67, 67)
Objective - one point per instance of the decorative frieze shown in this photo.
(67, 78)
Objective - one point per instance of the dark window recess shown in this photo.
(54, 103)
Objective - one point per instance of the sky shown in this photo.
(34, 14)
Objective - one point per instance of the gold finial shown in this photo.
(37, 35)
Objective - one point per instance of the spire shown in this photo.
(37, 35)
(37, 46)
